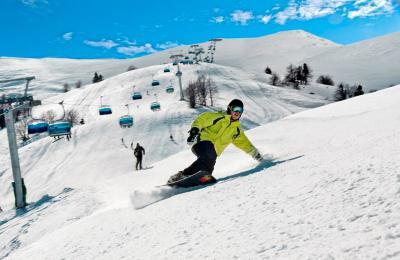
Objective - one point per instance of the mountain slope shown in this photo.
(98, 142)
(373, 63)
(329, 192)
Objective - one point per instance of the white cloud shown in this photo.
(218, 19)
(108, 44)
(289, 13)
(133, 50)
(167, 45)
(265, 18)
(34, 3)
(127, 41)
(371, 8)
(68, 36)
(241, 17)
(311, 9)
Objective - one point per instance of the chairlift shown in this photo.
(187, 62)
(155, 83)
(105, 110)
(136, 95)
(37, 127)
(155, 106)
(58, 129)
(126, 121)
(169, 89)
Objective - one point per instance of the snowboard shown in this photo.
(141, 199)
(199, 178)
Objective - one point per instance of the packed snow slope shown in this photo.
(330, 190)
(349, 63)
(98, 145)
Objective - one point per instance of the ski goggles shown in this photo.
(237, 109)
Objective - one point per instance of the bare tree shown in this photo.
(72, 116)
(191, 93)
(20, 129)
(49, 116)
(201, 90)
(212, 90)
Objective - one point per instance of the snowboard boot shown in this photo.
(207, 179)
(176, 177)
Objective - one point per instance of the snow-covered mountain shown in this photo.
(276, 51)
(372, 63)
(329, 189)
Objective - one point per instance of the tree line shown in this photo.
(301, 75)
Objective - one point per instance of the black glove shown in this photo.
(258, 157)
(192, 135)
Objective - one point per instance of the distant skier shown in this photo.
(138, 152)
(82, 122)
(211, 133)
(171, 137)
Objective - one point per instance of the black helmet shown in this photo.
(234, 103)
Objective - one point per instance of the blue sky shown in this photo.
(130, 28)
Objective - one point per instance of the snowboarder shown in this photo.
(138, 152)
(211, 133)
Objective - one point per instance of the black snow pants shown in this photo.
(139, 162)
(206, 158)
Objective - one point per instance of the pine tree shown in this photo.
(359, 91)
(306, 73)
(340, 93)
(95, 78)
(274, 80)
(290, 76)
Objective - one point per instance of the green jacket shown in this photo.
(218, 128)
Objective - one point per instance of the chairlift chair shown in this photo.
(155, 106)
(155, 83)
(169, 89)
(58, 129)
(126, 121)
(105, 110)
(136, 95)
(37, 127)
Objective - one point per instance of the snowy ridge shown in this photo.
(349, 63)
